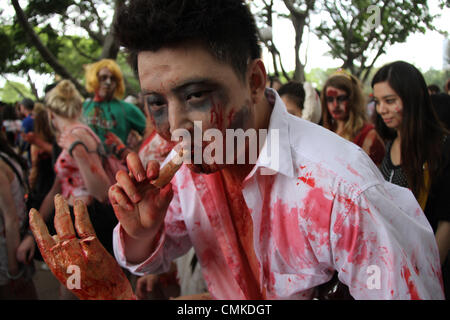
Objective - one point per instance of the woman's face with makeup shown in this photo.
(107, 84)
(337, 103)
(186, 84)
(388, 105)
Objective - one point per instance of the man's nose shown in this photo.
(178, 117)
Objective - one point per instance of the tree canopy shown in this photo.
(61, 37)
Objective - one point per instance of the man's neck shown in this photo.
(262, 112)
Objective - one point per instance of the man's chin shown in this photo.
(203, 168)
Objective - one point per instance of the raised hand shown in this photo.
(140, 200)
(100, 277)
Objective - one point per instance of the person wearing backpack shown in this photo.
(15, 278)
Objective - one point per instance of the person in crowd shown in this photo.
(26, 107)
(301, 100)
(183, 282)
(344, 112)
(41, 176)
(418, 151)
(274, 229)
(106, 112)
(79, 169)
(40, 155)
(12, 125)
(293, 96)
(15, 278)
(447, 87)
(441, 104)
(433, 89)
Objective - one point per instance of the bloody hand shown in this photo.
(100, 276)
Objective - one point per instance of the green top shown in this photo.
(116, 116)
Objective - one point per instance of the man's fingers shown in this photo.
(152, 170)
(83, 223)
(63, 221)
(40, 232)
(128, 186)
(118, 197)
(135, 166)
(165, 196)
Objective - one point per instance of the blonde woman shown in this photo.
(344, 113)
(106, 112)
(79, 169)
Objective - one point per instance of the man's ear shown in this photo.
(257, 79)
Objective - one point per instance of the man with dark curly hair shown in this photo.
(274, 228)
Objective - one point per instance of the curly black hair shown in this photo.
(226, 28)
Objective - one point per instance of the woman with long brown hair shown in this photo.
(418, 148)
(344, 112)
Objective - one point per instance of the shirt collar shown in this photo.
(275, 155)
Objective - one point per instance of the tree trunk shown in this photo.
(33, 87)
(43, 50)
(299, 24)
(110, 47)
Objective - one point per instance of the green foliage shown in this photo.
(14, 91)
(437, 77)
(73, 54)
(72, 30)
(360, 30)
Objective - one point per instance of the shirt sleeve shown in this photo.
(384, 247)
(173, 243)
(136, 118)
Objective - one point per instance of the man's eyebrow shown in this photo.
(183, 85)
(193, 81)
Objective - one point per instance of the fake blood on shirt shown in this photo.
(243, 225)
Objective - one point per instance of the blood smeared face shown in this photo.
(337, 103)
(184, 86)
(388, 105)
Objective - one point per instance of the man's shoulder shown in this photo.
(327, 152)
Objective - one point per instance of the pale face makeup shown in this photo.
(185, 84)
(107, 84)
(337, 103)
(388, 105)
